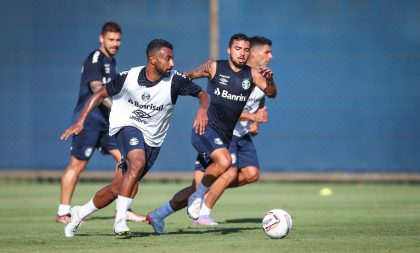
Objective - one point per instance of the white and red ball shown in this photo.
(277, 223)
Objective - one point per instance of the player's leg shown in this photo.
(108, 145)
(82, 148)
(138, 159)
(215, 157)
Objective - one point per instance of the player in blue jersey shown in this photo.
(245, 166)
(230, 84)
(143, 101)
(98, 69)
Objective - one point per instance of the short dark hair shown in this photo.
(111, 26)
(259, 41)
(238, 36)
(156, 45)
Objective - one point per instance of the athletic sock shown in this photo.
(63, 209)
(87, 209)
(205, 210)
(164, 211)
(122, 206)
(201, 190)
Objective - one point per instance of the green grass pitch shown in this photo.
(356, 218)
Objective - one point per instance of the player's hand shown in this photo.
(253, 129)
(74, 129)
(266, 72)
(200, 121)
(261, 116)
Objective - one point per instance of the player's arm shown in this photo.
(97, 85)
(201, 119)
(208, 69)
(93, 102)
(263, 78)
(260, 116)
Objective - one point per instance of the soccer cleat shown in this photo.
(194, 206)
(132, 216)
(75, 221)
(121, 229)
(63, 218)
(157, 223)
(205, 220)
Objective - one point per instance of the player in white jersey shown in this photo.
(230, 83)
(245, 167)
(143, 101)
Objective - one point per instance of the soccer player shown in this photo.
(98, 69)
(143, 101)
(245, 167)
(230, 84)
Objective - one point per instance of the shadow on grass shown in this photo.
(245, 220)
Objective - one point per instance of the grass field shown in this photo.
(356, 218)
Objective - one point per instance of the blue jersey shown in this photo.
(229, 92)
(97, 67)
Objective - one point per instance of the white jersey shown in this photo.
(149, 109)
(252, 105)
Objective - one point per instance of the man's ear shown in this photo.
(101, 39)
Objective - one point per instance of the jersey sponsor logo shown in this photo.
(223, 79)
(227, 95)
(246, 83)
(95, 57)
(133, 141)
(145, 96)
(107, 68)
(218, 141)
(147, 107)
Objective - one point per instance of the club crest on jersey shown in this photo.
(246, 84)
(145, 96)
(218, 141)
(88, 151)
(134, 141)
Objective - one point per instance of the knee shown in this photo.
(252, 176)
(224, 162)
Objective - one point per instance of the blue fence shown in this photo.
(347, 73)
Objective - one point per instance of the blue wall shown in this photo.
(347, 73)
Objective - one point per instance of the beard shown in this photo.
(237, 64)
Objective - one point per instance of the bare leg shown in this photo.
(220, 185)
(221, 162)
(70, 178)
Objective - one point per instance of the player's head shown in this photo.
(260, 54)
(238, 49)
(110, 38)
(160, 54)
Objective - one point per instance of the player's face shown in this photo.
(164, 61)
(262, 55)
(239, 52)
(111, 42)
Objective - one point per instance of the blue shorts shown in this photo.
(242, 151)
(205, 144)
(84, 144)
(130, 138)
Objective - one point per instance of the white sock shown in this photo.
(201, 190)
(63, 209)
(87, 209)
(164, 211)
(205, 210)
(122, 206)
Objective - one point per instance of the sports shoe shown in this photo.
(194, 206)
(132, 216)
(63, 218)
(71, 228)
(157, 223)
(205, 220)
(121, 229)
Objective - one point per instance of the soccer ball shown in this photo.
(277, 223)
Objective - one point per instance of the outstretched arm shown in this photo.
(97, 85)
(93, 102)
(208, 69)
(201, 119)
(263, 78)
